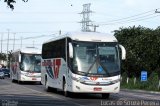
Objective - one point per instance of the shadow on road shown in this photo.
(31, 100)
(27, 83)
(79, 95)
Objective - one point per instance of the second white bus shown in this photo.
(25, 65)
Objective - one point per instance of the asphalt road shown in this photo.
(33, 94)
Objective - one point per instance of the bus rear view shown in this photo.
(91, 64)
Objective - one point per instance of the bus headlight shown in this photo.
(74, 78)
(78, 79)
(115, 81)
(23, 74)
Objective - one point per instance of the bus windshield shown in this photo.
(31, 63)
(96, 58)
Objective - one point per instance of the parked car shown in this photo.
(6, 72)
(2, 74)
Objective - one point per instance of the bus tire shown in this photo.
(13, 80)
(105, 95)
(19, 82)
(66, 93)
(40, 83)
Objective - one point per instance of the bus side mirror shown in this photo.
(70, 50)
(19, 58)
(123, 57)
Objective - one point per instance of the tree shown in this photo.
(142, 46)
(2, 56)
(10, 3)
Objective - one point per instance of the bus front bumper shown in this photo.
(33, 79)
(83, 88)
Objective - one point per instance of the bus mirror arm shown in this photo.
(70, 50)
(123, 52)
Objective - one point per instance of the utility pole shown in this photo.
(1, 41)
(86, 17)
(159, 78)
(33, 43)
(8, 40)
(60, 32)
(94, 27)
(21, 42)
(14, 41)
(7, 46)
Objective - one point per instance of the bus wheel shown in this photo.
(13, 80)
(105, 95)
(40, 83)
(66, 93)
(19, 82)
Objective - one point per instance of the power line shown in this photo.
(141, 19)
(130, 19)
(31, 32)
(133, 15)
(24, 44)
(31, 37)
(35, 22)
(39, 36)
(40, 12)
(133, 18)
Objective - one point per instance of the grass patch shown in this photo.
(152, 83)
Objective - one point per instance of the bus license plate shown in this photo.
(34, 79)
(97, 89)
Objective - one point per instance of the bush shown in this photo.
(151, 83)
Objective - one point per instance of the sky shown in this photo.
(37, 21)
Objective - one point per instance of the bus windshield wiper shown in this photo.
(98, 62)
(91, 66)
(32, 65)
(105, 69)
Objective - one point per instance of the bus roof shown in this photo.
(29, 50)
(86, 36)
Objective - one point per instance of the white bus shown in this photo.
(84, 62)
(25, 65)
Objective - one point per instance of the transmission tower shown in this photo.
(86, 17)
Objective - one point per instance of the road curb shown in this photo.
(142, 91)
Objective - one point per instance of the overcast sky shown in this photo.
(41, 19)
